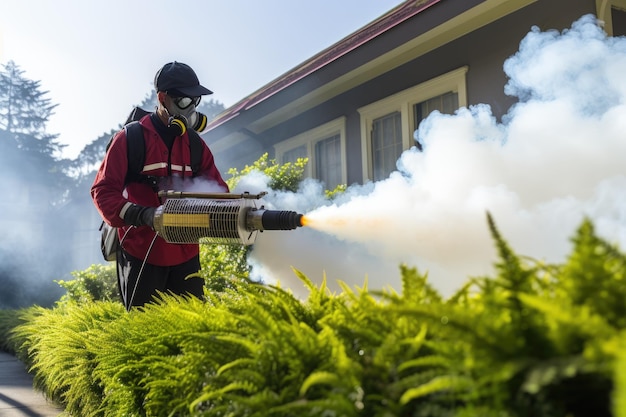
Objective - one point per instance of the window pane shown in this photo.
(328, 161)
(446, 103)
(618, 18)
(386, 144)
(293, 154)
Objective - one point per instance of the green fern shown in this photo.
(9, 320)
(62, 360)
(594, 275)
(619, 372)
(440, 383)
(516, 344)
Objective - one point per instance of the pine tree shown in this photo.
(38, 185)
(24, 112)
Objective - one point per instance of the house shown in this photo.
(353, 108)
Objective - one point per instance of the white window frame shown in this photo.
(603, 12)
(310, 139)
(403, 102)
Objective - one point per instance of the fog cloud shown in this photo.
(556, 157)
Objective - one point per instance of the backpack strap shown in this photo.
(196, 148)
(136, 151)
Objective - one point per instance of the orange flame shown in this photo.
(315, 222)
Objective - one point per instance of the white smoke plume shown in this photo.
(557, 156)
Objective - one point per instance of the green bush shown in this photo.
(283, 177)
(221, 263)
(96, 283)
(9, 319)
(62, 346)
(524, 342)
(535, 339)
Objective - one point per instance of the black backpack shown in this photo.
(136, 149)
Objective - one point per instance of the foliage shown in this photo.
(36, 184)
(65, 372)
(285, 177)
(9, 319)
(24, 111)
(341, 188)
(96, 283)
(518, 344)
(221, 263)
(619, 372)
(524, 342)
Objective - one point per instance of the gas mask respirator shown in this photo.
(183, 115)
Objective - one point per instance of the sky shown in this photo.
(97, 59)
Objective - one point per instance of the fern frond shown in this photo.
(551, 372)
(416, 289)
(582, 319)
(240, 362)
(438, 384)
(317, 378)
(425, 361)
(244, 386)
(619, 376)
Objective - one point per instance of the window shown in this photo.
(386, 144)
(618, 18)
(328, 161)
(613, 14)
(325, 148)
(387, 125)
(292, 155)
(446, 103)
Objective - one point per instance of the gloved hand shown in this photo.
(140, 216)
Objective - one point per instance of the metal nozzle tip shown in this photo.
(281, 220)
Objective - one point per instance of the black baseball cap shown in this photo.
(179, 79)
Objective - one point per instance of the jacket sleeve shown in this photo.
(108, 186)
(210, 172)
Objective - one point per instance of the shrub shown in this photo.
(96, 283)
(517, 344)
(9, 319)
(221, 263)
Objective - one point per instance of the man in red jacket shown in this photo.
(147, 263)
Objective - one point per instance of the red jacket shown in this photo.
(110, 194)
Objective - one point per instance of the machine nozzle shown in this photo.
(261, 219)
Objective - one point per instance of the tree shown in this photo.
(24, 112)
(32, 249)
(24, 142)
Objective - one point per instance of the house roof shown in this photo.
(377, 27)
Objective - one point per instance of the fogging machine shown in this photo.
(217, 218)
